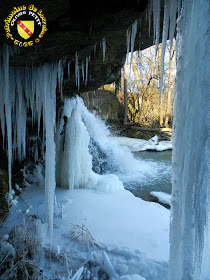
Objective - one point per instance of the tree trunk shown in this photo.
(138, 87)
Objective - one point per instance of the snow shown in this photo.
(121, 240)
(137, 145)
(162, 197)
(132, 277)
(134, 234)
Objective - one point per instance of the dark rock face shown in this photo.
(76, 26)
(105, 104)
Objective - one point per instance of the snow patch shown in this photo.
(162, 197)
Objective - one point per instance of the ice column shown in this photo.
(8, 112)
(190, 228)
(74, 162)
(49, 93)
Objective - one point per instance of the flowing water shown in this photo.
(162, 182)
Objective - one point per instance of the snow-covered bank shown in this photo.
(137, 145)
(134, 233)
(162, 197)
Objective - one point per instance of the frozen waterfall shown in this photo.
(73, 158)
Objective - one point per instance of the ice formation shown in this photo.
(190, 227)
(156, 23)
(104, 47)
(69, 70)
(86, 71)
(73, 158)
(131, 37)
(40, 85)
(83, 71)
(77, 72)
(60, 78)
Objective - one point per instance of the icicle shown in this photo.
(2, 115)
(172, 11)
(179, 7)
(133, 36)
(104, 48)
(60, 78)
(156, 23)
(76, 67)
(164, 40)
(8, 112)
(78, 77)
(128, 37)
(69, 64)
(86, 70)
(83, 71)
(149, 12)
(90, 28)
(95, 49)
(20, 119)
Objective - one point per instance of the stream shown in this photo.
(162, 182)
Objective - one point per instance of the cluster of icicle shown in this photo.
(84, 65)
(171, 8)
(23, 90)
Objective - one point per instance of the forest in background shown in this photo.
(145, 101)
